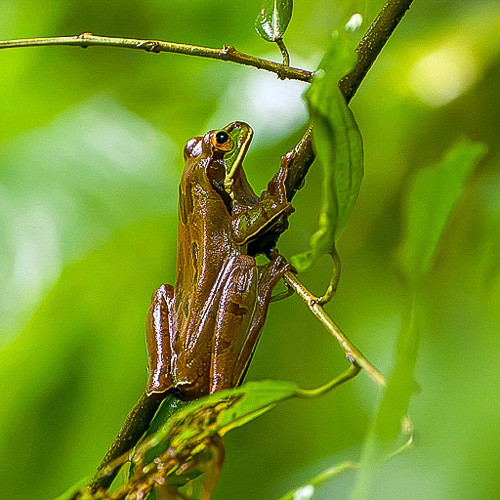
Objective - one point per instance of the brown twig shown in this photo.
(368, 49)
(372, 44)
(226, 53)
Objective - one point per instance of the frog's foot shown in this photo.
(279, 264)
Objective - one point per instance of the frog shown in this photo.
(201, 334)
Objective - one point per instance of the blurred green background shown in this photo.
(90, 157)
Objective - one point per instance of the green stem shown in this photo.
(345, 376)
(226, 53)
(353, 354)
(324, 476)
(334, 280)
(284, 51)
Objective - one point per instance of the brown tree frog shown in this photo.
(202, 333)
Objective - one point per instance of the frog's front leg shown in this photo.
(159, 327)
(242, 312)
(249, 220)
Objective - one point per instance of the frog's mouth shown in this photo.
(241, 135)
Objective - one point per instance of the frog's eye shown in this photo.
(222, 141)
(221, 137)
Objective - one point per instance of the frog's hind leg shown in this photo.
(242, 312)
(269, 276)
(237, 303)
(158, 332)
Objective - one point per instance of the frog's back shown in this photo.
(205, 245)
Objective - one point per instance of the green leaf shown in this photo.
(386, 426)
(226, 409)
(273, 19)
(188, 444)
(339, 148)
(432, 198)
(431, 201)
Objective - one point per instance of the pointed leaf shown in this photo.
(273, 19)
(433, 196)
(339, 148)
(226, 410)
(430, 204)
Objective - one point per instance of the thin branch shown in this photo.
(302, 156)
(337, 470)
(344, 377)
(353, 354)
(226, 53)
(323, 477)
(372, 44)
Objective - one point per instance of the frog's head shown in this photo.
(220, 153)
(237, 136)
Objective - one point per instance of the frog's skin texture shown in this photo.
(201, 334)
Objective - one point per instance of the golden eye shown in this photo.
(222, 141)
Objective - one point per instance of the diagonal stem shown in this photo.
(345, 376)
(372, 44)
(353, 354)
(302, 156)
